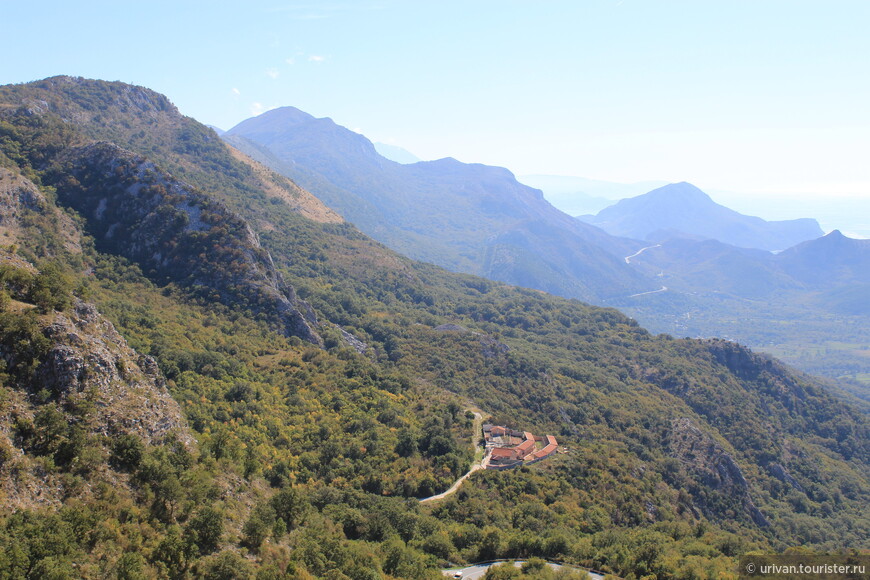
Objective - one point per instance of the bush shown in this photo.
(226, 566)
(127, 451)
(51, 289)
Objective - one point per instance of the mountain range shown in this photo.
(466, 217)
(830, 262)
(681, 209)
(208, 373)
(673, 258)
(580, 195)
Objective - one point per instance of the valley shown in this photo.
(302, 386)
(713, 261)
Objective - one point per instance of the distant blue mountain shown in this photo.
(466, 217)
(832, 260)
(580, 195)
(683, 210)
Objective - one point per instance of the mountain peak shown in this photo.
(833, 239)
(683, 210)
(680, 192)
(829, 260)
(282, 116)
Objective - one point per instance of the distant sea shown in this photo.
(850, 215)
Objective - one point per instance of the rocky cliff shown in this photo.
(724, 486)
(87, 389)
(24, 211)
(90, 361)
(176, 233)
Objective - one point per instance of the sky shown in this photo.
(762, 97)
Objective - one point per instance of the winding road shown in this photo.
(476, 571)
(662, 289)
(477, 465)
(639, 252)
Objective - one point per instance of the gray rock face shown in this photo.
(136, 210)
(712, 466)
(90, 360)
(451, 328)
(352, 341)
(779, 472)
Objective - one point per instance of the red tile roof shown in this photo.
(526, 446)
(504, 453)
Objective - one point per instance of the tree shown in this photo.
(51, 289)
(490, 545)
(407, 444)
(127, 451)
(227, 565)
(173, 553)
(131, 566)
(205, 529)
(290, 505)
(257, 528)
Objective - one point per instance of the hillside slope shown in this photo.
(478, 219)
(135, 210)
(833, 260)
(681, 454)
(444, 211)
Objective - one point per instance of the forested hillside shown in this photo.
(470, 218)
(703, 270)
(143, 255)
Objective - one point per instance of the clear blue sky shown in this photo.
(749, 95)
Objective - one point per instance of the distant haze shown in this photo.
(683, 210)
(579, 195)
(740, 96)
(395, 153)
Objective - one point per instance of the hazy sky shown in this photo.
(748, 95)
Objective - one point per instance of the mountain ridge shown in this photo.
(683, 209)
(423, 209)
(461, 217)
(396, 153)
(310, 455)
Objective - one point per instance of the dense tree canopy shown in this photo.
(308, 461)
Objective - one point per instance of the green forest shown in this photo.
(268, 448)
